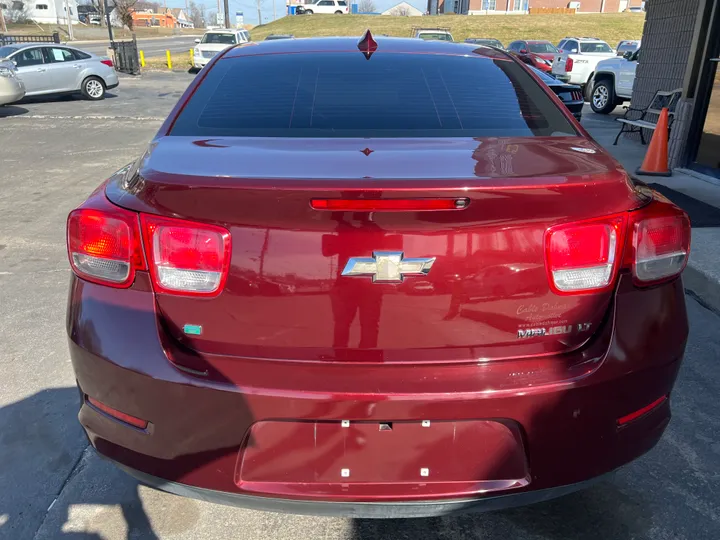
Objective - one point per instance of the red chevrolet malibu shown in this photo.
(377, 278)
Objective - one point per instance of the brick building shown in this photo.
(521, 7)
(681, 49)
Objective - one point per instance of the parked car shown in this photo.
(346, 171)
(613, 82)
(627, 45)
(535, 53)
(486, 41)
(575, 62)
(432, 34)
(60, 69)
(570, 94)
(278, 36)
(12, 88)
(330, 7)
(215, 41)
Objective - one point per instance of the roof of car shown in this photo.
(584, 38)
(39, 44)
(535, 41)
(343, 44)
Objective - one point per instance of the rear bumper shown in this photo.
(413, 509)
(200, 430)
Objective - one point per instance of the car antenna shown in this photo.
(367, 44)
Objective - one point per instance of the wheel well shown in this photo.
(605, 77)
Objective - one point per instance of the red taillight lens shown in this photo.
(660, 243)
(186, 257)
(107, 62)
(104, 245)
(568, 64)
(583, 257)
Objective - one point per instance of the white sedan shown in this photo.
(47, 68)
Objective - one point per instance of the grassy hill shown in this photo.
(611, 27)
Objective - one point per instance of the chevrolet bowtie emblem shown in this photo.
(387, 266)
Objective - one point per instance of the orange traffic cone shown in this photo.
(656, 159)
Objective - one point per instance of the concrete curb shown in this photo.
(702, 275)
(702, 287)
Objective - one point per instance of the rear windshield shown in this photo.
(390, 95)
(225, 39)
(541, 48)
(595, 48)
(435, 36)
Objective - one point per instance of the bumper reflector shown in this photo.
(640, 412)
(132, 420)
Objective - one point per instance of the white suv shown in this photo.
(215, 41)
(613, 82)
(338, 7)
(575, 64)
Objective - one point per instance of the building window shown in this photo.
(41, 6)
(489, 5)
(18, 6)
(520, 5)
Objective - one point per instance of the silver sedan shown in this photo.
(47, 68)
(11, 87)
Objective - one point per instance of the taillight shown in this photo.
(569, 64)
(107, 62)
(104, 245)
(583, 257)
(186, 257)
(660, 243)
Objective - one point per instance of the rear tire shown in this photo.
(602, 98)
(93, 88)
(308, 12)
(338, 12)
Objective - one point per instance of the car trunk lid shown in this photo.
(487, 292)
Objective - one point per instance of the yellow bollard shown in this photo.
(169, 60)
(192, 58)
(142, 59)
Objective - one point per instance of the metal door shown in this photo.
(63, 70)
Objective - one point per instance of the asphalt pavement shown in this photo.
(53, 153)
(151, 47)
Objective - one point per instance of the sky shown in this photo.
(249, 7)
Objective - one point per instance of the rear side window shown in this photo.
(391, 95)
(81, 55)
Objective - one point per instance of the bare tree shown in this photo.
(142, 5)
(366, 6)
(18, 12)
(125, 9)
(197, 14)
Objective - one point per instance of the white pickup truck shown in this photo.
(613, 82)
(576, 61)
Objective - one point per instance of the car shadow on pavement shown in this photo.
(11, 110)
(49, 484)
(60, 98)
